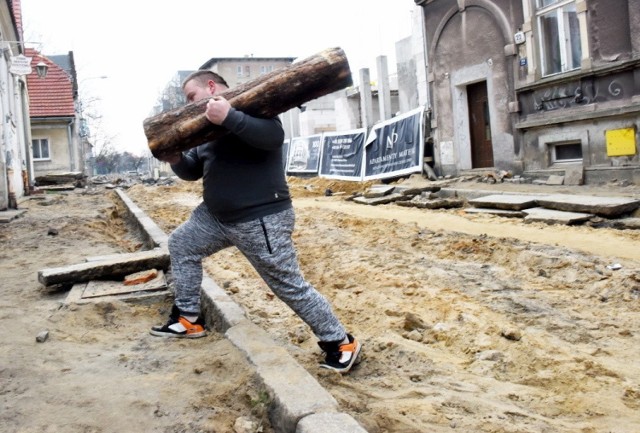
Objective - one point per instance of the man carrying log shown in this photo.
(246, 205)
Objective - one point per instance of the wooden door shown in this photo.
(480, 125)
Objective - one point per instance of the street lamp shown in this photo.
(21, 64)
(41, 69)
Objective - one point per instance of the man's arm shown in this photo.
(187, 165)
(264, 134)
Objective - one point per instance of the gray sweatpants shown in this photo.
(266, 242)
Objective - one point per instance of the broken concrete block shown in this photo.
(380, 200)
(376, 191)
(437, 203)
(555, 180)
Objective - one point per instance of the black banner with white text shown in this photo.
(342, 154)
(395, 147)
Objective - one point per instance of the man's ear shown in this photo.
(212, 87)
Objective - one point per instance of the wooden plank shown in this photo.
(265, 97)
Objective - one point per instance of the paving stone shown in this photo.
(551, 216)
(555, 180)
(11, 214)
(505, 201)
(414, 190)
(619, 223)
(475, 193)
(499, 212)
(599, 205)
(574, 175)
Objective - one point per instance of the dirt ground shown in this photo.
(470, 323)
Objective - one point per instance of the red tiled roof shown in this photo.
(16, 8)
(51, 96)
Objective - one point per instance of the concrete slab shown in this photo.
(574, 175)
(603, 206)
(551, 216)
(374, 201)
(101, 288)
(414, 190)
(498, 212)
(9, 215)
(436, 203)
(120, 266)
(329, 423)
(475, 193)
(505, 201)
(554, 179)
(75, 296)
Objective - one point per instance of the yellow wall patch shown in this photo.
(621, 142)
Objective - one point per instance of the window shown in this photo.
(559, 32)
(40, 148)
(265, 69)
(247, 71)
(570, 151)
(239, 71)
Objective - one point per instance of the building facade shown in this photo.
(56, 144)
(14, 117)
(537, 87)
(238, 70)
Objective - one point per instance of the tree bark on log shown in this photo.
(266, 97)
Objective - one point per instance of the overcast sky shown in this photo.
(140, 44)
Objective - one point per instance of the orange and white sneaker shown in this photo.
(340, 357)
(179, 327)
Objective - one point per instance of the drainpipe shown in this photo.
(27, 174)
(72, 159)
(12, 201)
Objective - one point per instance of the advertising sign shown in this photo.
(395, 147)
(304, 154)
(342, 154)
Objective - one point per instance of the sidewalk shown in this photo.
(472, 186)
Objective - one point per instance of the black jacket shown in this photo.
(243, 171)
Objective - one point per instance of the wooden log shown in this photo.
(75, 178)
(266, 96)
(117, 267)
